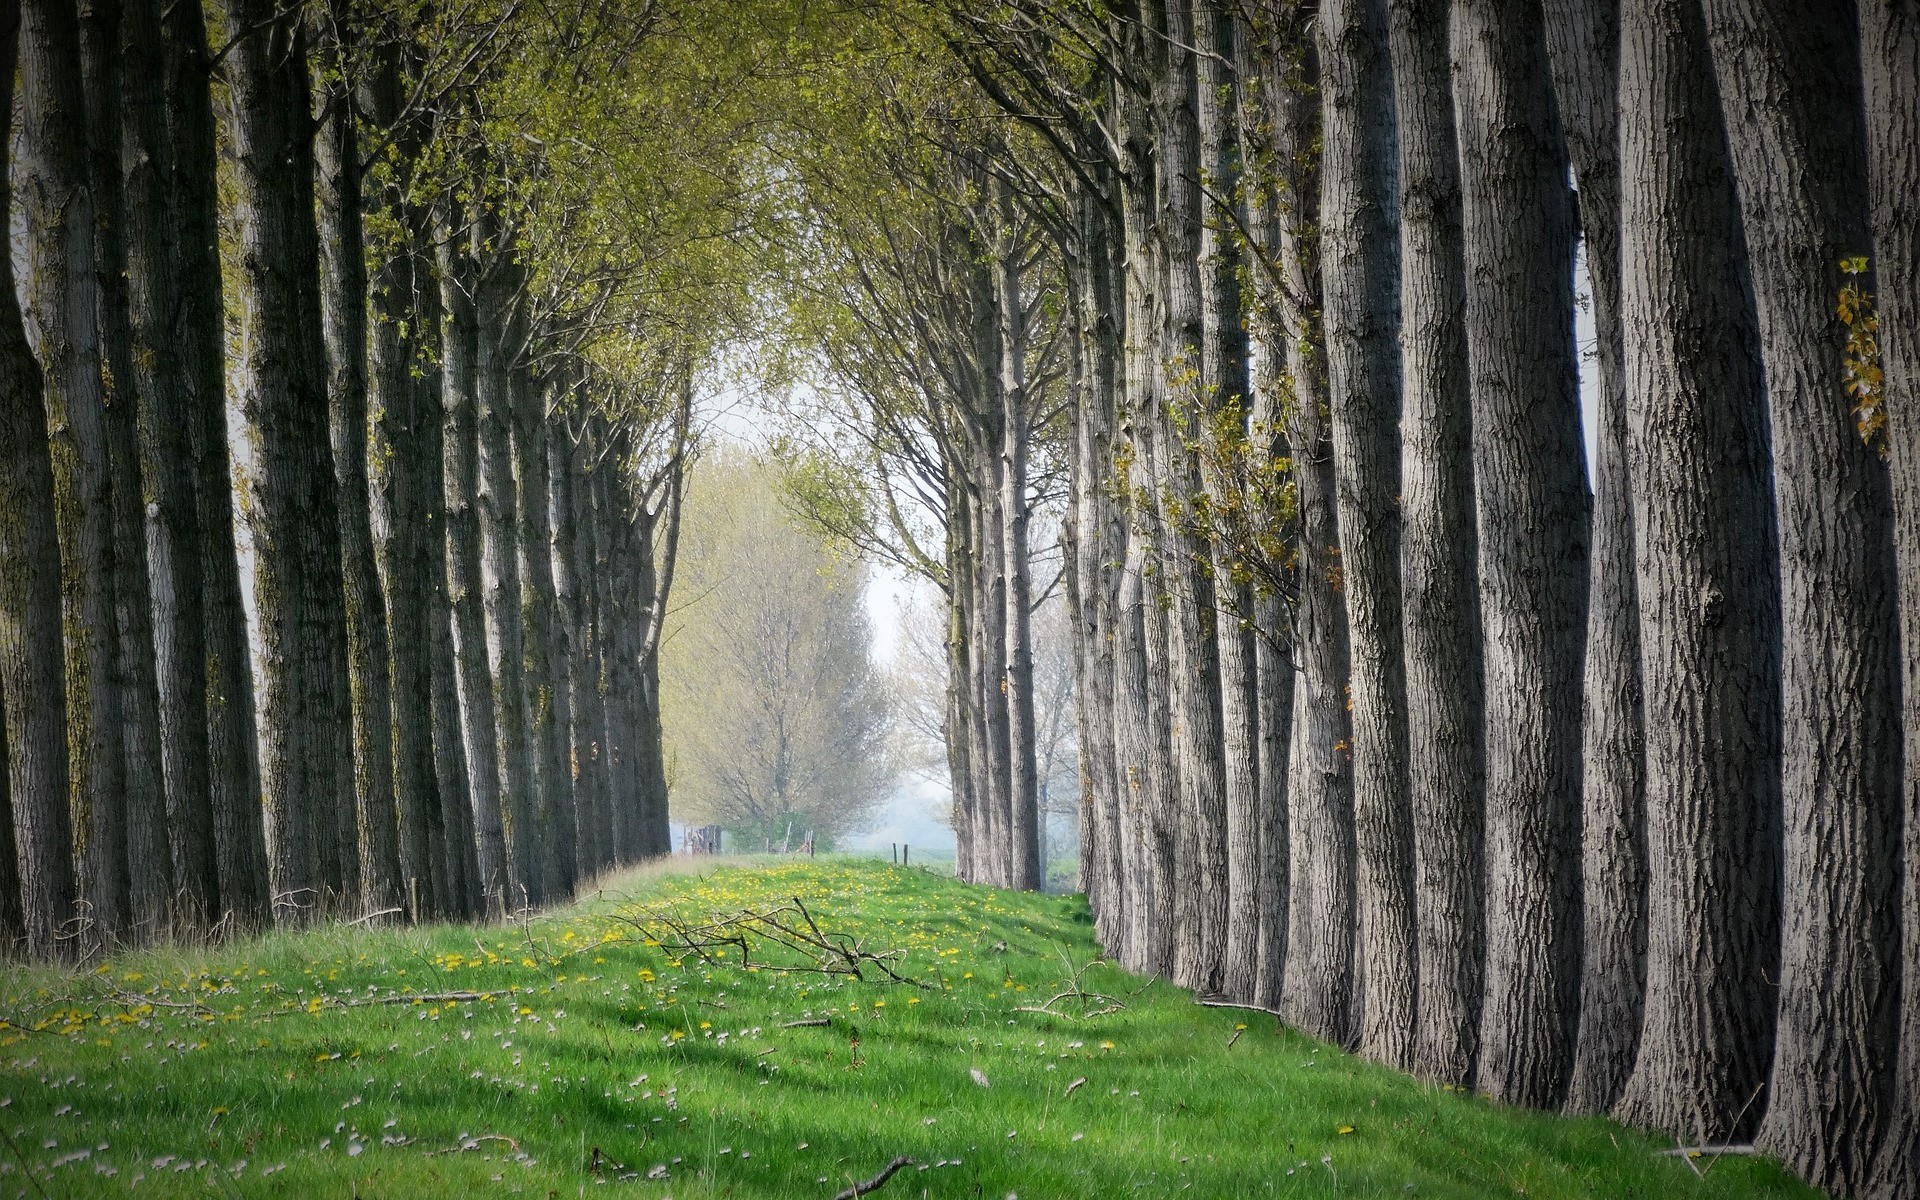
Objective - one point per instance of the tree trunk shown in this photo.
(1360, 267)
(1200, 900)
(1441, 616)
(589, 673)
(465, 584)
(1709, 597)
(344, 310)
(499, 344)
(297, 578)
(1890, 58)
(1025, 867)
(173, 533)
(613, 527)
(1583, 42)
(61, 294)
(552, 788)
(198, 339)
(1789, 82)
(32, 653)
(149, 857)
(574, 653)
(13, 926)
(1532, 507)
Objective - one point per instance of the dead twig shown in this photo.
(873, 1185)
(816, 1023)
(473, 1143)
(375, 916)
(376, 1001)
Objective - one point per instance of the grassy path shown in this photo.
(306, 1065)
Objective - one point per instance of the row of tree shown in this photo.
(1579, 783)
(466, 431)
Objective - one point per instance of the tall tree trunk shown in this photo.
(61, 295)
(613, 528)
(1025, 868)
(1583, 43)
(149, 857)
(465, 583)
(198, 334)
(1360, 266)
(1890, 61)
(590, 706)
(1200, 901)
(32, 653)
(552, 788)
(1223, 371)
(13, 926)
(1441, 615)
(1789, 81)
(1532, 506)
(498, 341)
(297, 578)
(344, 310)
(1709, 596)
(574, 653)
(165, 417)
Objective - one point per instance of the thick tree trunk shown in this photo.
(32, 653)
(369, 652)
(1024, 866)
(1583, 43)
(13, 926)
(198, 334)
(1890, 61)
(498, 342)
(296, 534)
(1789, 82)
(589, 669)
(149, 857)
(613, 525)
(1532, 507)
(1360, 268)
(1709, 596)
(173, 533)
(1441, 614)
(61, 294)
(574, 655)
(465, 584)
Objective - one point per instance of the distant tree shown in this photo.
(777, 718)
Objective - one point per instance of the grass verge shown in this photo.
(590, 1048)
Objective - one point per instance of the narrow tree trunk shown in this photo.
(1709, 598)
(1789, 85)
(1441, 614)
(613, 527)
(573, 650)
(149, 857)
(1890, 58)
(13, 926)
(1532, 506)
(552, 787)
(32, 653)
(298, 582)
(198, 337)
(1360, 265)
(61, 294)
(498, 344)
(589, 696)
(1583, 41)
(369, 651)
(173, 533)
(465, 584)
(1025, 867)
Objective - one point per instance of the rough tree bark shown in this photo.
(465, 584)
(297, 578)
(552, 836)
(1890, 61)
(1789, 77)
(32, 653)
(1709, 598)
(1583, 42)
(344, 313)
(61, 295)
(173, 533)
(1532, 507)
(198, 337)
(1441, 614)
(1360, 267)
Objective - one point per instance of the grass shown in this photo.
(278, 1067)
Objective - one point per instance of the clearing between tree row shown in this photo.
(785, 1031)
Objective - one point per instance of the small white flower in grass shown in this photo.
(979, 1076)
(1076, 1137)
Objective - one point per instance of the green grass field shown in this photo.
(602, 1052)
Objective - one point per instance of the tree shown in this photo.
(1531, 501)
(1708, 600)
(777, 718)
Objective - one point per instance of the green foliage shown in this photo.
(1865, 381)
(316, 1064)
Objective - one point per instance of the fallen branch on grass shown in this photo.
(873, 1185)
(414, 998)
(789, 927)
(1076, 993)
(1706, 1151)
(473, 1143)
(816, 1023)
